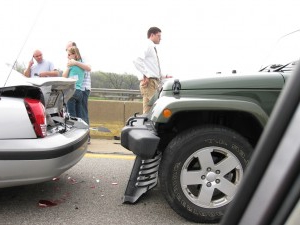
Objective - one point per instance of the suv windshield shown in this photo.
(284, 55)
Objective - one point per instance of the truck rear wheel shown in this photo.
(201, 170)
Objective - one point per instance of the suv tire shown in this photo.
(201, 169)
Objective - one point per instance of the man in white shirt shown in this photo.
(147, 63)
(42, 68)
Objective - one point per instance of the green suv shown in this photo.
(198, 138)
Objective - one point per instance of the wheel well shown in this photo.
(243, 123)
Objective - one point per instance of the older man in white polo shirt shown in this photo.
(42, 68)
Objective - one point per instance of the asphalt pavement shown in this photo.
(91, 192)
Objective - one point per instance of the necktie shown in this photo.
(158, 63)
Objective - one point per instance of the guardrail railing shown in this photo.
(116, 94)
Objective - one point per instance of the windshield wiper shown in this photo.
(286, 65)
(270, 68)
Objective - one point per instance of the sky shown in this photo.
(198, 37)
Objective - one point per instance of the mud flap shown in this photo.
(143, 177)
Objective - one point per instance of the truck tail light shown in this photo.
(37, 116)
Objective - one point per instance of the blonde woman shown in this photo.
(75, 102)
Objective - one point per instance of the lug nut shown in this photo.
(203, 177)
(208, 184)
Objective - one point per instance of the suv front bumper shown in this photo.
(139, 138)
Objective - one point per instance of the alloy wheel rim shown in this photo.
(210, 176)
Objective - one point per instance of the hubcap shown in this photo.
(211, 176)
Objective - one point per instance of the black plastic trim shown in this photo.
(141, 141)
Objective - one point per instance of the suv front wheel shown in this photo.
(201, 170)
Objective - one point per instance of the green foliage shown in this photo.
(114, 80)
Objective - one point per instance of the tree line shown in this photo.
(114, 80)
(104, 79)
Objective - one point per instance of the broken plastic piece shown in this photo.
(46, 203)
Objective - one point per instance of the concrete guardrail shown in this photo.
(108, 117)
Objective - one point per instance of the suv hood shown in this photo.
(259, 80)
